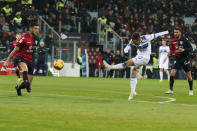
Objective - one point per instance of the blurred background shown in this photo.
(100, 29)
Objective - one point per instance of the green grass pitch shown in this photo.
(96, 104)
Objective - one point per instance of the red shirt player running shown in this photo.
(24, 60)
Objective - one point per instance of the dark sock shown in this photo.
(25, 83)
(25, 76)
(190, 84)
(171, 82)
(17, 73)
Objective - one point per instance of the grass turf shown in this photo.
(96, 104)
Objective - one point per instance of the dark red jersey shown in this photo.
(25, 45)
(181, 43)
(12, 47)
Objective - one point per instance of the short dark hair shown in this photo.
(33, 23)
(135, 36)
(177, 28)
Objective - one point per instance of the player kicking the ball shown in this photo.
(24, 49)
(143, 44)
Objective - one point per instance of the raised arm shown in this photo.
(128, 47)
(153, 36)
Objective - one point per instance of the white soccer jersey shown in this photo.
(144, 48)
(163, 50)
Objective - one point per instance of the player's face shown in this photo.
(35, 30)
(137, 42)
(18, 36)
(177, 33)
(163, 42)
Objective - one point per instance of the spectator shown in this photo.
(5, 27)
(18, 22)
(42, 50)
(7, 10)
(2, 19)
(109, 59)
(118, 59)
(100, 65)
(79, 61)
(49, 42)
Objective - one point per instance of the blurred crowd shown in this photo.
(122, 16)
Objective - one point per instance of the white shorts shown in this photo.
(140, 60)
(163, 65)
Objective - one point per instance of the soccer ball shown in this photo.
(58, 64)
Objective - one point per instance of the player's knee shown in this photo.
(134, 72)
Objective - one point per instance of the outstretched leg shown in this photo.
(118, 66)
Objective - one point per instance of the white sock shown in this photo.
(161, 75)
(167, 72)
(118, 66)
(133, 83)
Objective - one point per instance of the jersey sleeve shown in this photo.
(187, 46)
(148, 37)
(21, 42)
(153, 36)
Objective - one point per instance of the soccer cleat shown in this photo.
(19, 80)
(169, 92)
(107, 66)
(131, 95)
(160, 80)
(191, 92)
(18, 90)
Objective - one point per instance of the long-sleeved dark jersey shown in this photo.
(181, 43)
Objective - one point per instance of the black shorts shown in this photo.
(182, 64)
(30, 65)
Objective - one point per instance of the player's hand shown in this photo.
(180, 50)
(5, 65)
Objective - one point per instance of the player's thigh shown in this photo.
(189, 75)
(140, 60)
(161, 65)
(23, 66)
(173, 72)
(30, 78)
(165, 66)
(134, 72)
(130, 62)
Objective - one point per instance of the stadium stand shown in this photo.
(122, 16)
